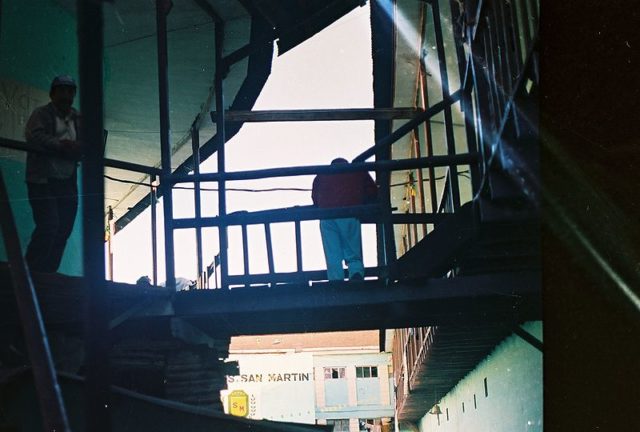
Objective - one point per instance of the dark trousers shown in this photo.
(54, 207)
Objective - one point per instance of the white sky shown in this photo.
(331, 70)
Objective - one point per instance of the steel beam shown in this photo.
(529, 338)
(335, 306)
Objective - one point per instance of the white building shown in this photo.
(325, 378)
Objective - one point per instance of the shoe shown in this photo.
(357, 277)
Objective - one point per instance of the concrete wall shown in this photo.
(279, 387)
(511, 399)
(37, 42)
(362, 398)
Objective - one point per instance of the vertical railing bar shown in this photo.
(429, 138)
(490, 75)
(451, 147)
(503, 56)
(163, 8)
(54, 415)
(483, 100)
(153, 195)
(524, 18)
(267, 236)
(496, 61)
(515, 38)
(220, 132)
(503, 39)
(511, 56)
(195, 147)
(465, 65)
(298, 246)
(245, 249)
(423, 204)
(424, 96)
(415, 226)
(533, 10)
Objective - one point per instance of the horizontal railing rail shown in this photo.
(112, 163)
(383, 166)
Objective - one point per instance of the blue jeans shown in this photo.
(342, 240)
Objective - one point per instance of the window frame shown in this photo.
(367, 372)
(331, 371)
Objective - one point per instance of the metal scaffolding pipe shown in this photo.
(409, 126)
(367, 213)
(195, 147)
(113, 163)
(90, 37)
(153, 195)
(220, 132)
(382, 166)
(448, 118)
(163, 7)
(54, 416)
(336, 114)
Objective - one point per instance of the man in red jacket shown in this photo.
(342, 238)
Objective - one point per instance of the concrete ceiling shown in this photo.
(131, 84)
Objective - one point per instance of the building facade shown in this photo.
(340, 379)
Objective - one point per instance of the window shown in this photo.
(370, 425)
(367, 372)
(333, 373)
(339, 425)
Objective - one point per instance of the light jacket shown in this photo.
(40, 132)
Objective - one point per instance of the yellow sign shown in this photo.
(238, 403)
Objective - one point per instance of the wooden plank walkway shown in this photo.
(509, 297)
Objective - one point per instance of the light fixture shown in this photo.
(436, 410)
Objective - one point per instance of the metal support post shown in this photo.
(420, 179)
(162, 10)
(153, 195)
(195, 146)
(110, 232)
(220, 132)
(54, 416)
(90, 37)
(448, 120)
(382, 40)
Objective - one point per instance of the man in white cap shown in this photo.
(52, 175)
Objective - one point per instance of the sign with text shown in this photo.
(278, 387)
(238, 402)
